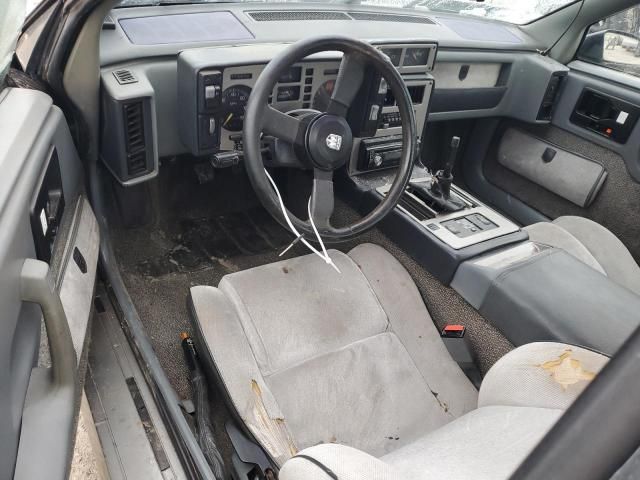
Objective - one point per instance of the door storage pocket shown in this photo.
(576, 178)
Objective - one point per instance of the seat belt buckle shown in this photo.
(453, 337)
(453, 331)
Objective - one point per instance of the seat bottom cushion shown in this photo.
(521, 398)
(487, 443)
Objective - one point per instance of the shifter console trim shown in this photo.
(437, 223)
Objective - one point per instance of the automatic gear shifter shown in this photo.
(437, 194)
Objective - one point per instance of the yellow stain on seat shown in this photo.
(566, 370)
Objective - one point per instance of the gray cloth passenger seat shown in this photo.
(592, 244)
(520, 399)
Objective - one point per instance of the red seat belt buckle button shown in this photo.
(453, 331)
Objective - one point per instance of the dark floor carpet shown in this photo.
(195, 239)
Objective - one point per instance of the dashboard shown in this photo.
(213, 94)
(175, 79)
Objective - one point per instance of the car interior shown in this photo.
(309, 241)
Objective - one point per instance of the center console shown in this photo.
(437, 221)
(474, 223)
(439, 240)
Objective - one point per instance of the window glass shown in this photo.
(518, 11)
(31, 4)
(12, 13)
(614, 42)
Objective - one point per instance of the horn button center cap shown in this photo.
(329, 141)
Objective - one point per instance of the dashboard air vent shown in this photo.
(134, 134)
(125, 76)
(296, 15)
(137, 163)
(388, 17)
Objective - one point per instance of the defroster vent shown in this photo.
(301, 15)
(389, 17)
(296, 15)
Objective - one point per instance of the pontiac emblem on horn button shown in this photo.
(334, 141)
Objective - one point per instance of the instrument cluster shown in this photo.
(222, 92)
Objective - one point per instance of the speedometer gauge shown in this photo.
(234, 101)
(323, 95)
(414, 57)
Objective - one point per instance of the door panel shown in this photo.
(39, 377)
(616, 206)
(585, 77)
(617, 203)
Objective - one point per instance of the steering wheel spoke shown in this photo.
(283, 155)
(348, 83)
(282, 126)
(322, 199)
(325, 140)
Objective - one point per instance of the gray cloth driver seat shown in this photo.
(353, 361)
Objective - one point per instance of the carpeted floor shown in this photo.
(199, 234)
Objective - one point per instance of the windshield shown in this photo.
(512, 11)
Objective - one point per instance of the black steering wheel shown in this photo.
(324, 139)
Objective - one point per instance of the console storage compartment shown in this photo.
(537, 293)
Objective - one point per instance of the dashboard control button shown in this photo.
(383, 87)
(210, 89)
(373, 114)
(453, 229)
(207, 132)
(211, 92)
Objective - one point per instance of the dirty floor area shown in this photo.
(194, 233)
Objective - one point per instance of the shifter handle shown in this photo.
(453, 155)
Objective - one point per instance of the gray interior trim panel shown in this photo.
(116, 47)
(114, 152)
(31, 126)
(78, 282)
(574, 177)
(188, 28)
(502, 100)
(528, 77)
(481, 138)
(603, 80)
(462, 75)
(127, 451)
